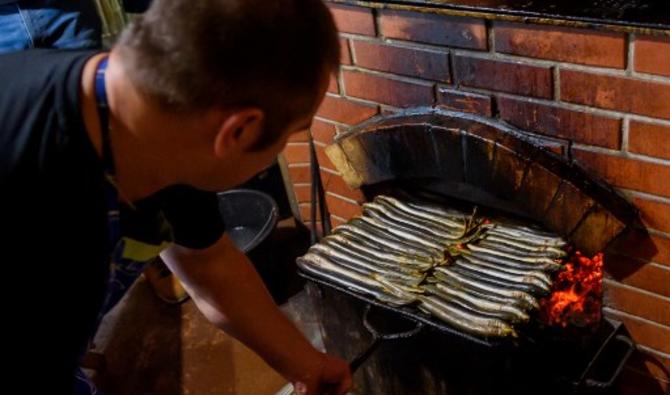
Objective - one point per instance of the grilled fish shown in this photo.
(401, 216)
(393, 261)
(538, 274)
(507, 262)
(501, 310)
(465, 320)
(493, 281)
(404, 232)
(522, 245)
(365, 266)
(323, 267)
(519, 258)
(449, 275)
(530, 238)
(541, 286)
(385, 241)
(451, 222)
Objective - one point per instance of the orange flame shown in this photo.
(576, 296)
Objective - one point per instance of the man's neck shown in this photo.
(137, 173)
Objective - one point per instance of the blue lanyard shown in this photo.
(111, 194)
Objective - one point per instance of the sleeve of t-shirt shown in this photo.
(193, 215)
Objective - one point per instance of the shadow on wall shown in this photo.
(637, 380)
(628, 259)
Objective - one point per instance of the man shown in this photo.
(110, 154)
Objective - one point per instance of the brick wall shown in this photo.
(604, 97)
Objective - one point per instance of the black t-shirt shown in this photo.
(53, 217)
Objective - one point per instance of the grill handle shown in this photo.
(363, 356)
(377, 337)
(630, 347)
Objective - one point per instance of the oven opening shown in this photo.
(478, 234)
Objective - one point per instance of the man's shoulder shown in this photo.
(45, 55)
(33, 72)
(19, 63)
(39, 108)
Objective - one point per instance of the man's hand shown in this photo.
(330, 376)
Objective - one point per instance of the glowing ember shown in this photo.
(576, 294)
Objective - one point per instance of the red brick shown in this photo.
(306, 213)
(644, 275)
(299, 174)
(342, 208)
(558, 122)
(357, 20)
(662, 254)
(632, 301)
(299, 137)
(633, 382)
(324, 160)
(325, 177)
(336, 221)
(652, 55)
(653, 336)
(655, 215)
(405, 61)
(303, 193)
(299, 153)
(323, 132)
(345, 111)
(433, 29)
(627, 173)
(296, 153)
(464, 101)
(649, 139)
(332, 182)
(562, 44)
(387, 91)
(639, 244)
(345, 53)
(503, 76)
(616, 93)
(335, 184)
(332, 84)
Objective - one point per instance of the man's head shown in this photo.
(263, 63)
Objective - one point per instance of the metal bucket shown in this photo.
(249, 216)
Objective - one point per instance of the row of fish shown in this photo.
(480, 276)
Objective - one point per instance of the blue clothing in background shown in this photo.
(49, 24)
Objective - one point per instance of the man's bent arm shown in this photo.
(227, 289)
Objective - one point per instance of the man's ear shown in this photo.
(240, 130)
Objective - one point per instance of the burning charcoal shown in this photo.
(576, 294)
